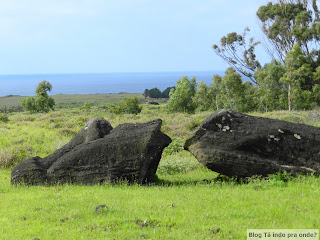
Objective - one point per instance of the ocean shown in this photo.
(93, 83)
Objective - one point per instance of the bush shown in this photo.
(42, 102)
(86, 107)
(128, 105)
(4, 118)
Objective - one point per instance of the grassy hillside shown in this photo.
(188, 201)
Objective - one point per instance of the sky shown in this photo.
(101, 36)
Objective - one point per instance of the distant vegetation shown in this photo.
(156, 93)
(128, 105)
(42, 102)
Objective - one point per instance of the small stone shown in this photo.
(100, 208)
(216, 230)
(64, 219)
(280, 131)
(172, 205)
(23, 218)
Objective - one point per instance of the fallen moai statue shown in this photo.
(99, 153)
(239, 145)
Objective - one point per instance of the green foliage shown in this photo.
(175, 146)
(288, 23)
(239, 53)
(229, 91)
(42, 102)
(158, 211)
(203, 97)
(297, 70)
(156, 93)
(129, 105)
(166, 92)
(181, 98)
(153, 93)
(270, 94)
(86, 107)
(292, 79)
(280, 176)
(4, 118)
(193, 124)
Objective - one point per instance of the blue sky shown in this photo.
(97, 36)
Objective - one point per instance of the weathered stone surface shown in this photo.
(238, 145)
(99, 153)
(94, 129)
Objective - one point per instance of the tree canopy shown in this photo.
(286, 23)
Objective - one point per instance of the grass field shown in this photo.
(66, 100)
(187, 202)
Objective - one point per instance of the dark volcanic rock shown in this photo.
(152, 103)
(99, 153)
(238, 145)
(94, 129)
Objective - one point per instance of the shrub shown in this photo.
(86, 107)
(128, 105)
(4, 118)
(42, 102)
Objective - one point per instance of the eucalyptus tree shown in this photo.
(181, 97)
(297, 69)
(270, 94)
(203, 97)
(239, 53)
(229, 91)
(289, 22)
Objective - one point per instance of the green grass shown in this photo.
(187, 202)
(188, 209)
(74, 99)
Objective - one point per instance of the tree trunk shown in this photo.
(289, 98)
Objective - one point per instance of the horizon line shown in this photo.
(176, 71)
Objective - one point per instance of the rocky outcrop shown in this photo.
(99, 153)
(239, 145)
